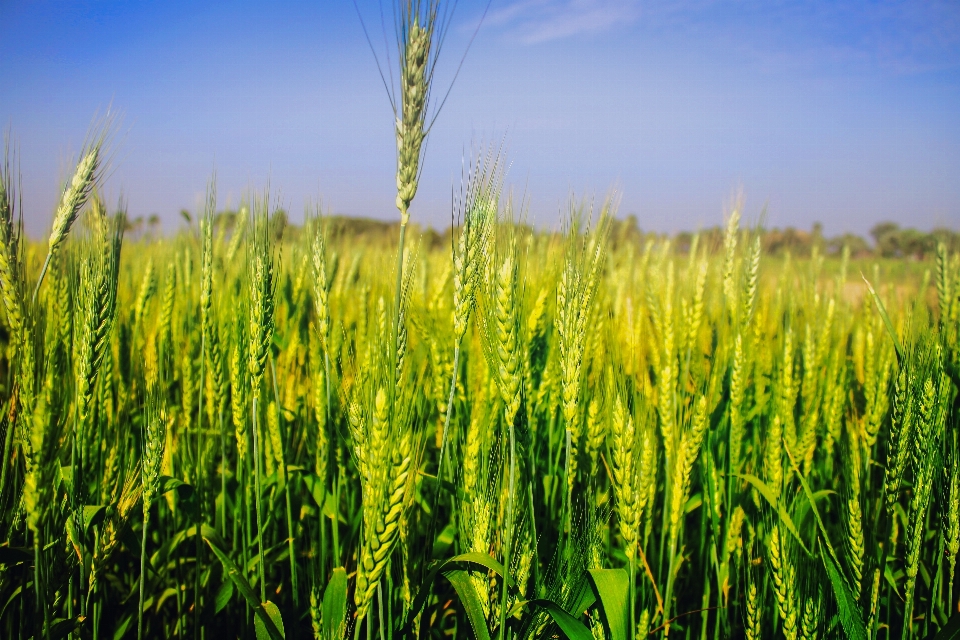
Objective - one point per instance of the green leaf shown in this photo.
(950, 631)
(224, 595)
(886, 320)
(121, 629)
(317, 491)
(335, 605)
(612, 587)
(273, 619)
(92, 515)
(813, 505)
(445, 540)
(467, 592)
(183, 489)
(585, 597)
(774, 501)
(573, 628)
(62, 627)
(847, 607)
(760, 486)
(13, 596)
(264, 617)
(481, 559)
(850, 615)
(66, 478)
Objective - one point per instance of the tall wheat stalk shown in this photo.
(86, 175)
(154, 439)
(477, 209)
(260, 335)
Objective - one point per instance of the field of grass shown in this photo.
(245, 430)
(257, 430)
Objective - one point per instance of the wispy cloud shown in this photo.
(534, 21)
(897, 35)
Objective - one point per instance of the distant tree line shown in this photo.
(887, 239)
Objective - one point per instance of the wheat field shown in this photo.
(253, 429)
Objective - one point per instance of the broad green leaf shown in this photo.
(91, 515)
(585, 597)
(612, 586)
(212, 538)
(272, 618)
(573, 628)
(335, 605)
(445, 540)
(317, 490)
(183, 489)
(124, 625)
(168, 593)
(475, 558)
(813, 505)
(162, 555)
(760, 486)
(66, 478)
(693, 503)
(770, 497)
(465, 589)
(886, 320)
(483, 560)
(13, 596)
(950, 631)
(62, 627)
(847, 607)
(224, 595)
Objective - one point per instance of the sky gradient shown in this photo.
(843, 113)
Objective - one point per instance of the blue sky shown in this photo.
(844, 113)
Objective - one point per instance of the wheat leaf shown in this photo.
(612, 587)
(462, 583)
(335, 605)
(849, 612)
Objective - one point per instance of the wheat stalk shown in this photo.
(11, 276)
(784, 576)
(86, 175)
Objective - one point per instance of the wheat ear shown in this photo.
(75, 193)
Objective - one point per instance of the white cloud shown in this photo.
(533, 21)
(900, 36)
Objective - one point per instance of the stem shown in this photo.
(443, 440)
(223, 476)
(396, 309)
(143, 566)
(323, 481)
(199, 507)
(5, 462)
(950, 592)
(256, 475)
(671, 578)
(36, 573)
(326, 383)
(380, 608)
(632, 568)
(336, 516)
(508, 537)
(446, 418)
(43, 272)
(286, 489)
(568, 496)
